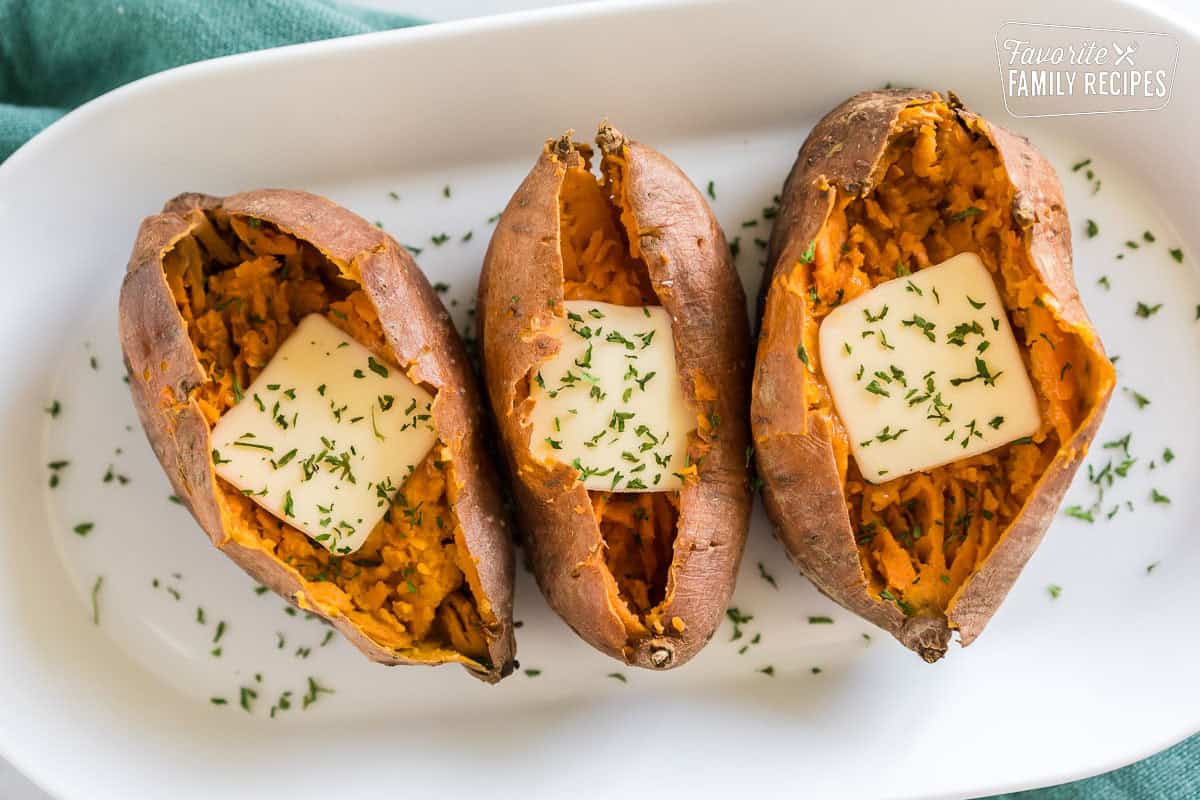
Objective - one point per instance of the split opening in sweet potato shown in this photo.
(241, 286)
(941, 189)
(601, 262)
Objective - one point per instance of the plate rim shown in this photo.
(81, 115)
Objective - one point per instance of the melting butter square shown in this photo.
(924, 370)
(325, 435)
(610, 402)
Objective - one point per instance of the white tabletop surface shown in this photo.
(14, 786)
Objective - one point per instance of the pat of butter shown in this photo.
(325, 435)
(610, 402)
(924, 370)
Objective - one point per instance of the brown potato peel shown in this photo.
(667, 228)
(412, 330)
(886, 182)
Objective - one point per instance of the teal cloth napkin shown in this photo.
(1173, 774)
(57, 54)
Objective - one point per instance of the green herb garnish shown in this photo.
(376, 367)
(315, 690)
(923, 324)
(1139, 398)
(96, 599)
(1079, 513)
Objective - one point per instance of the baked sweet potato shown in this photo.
(214, 286)
(644, 577)
(888, 183)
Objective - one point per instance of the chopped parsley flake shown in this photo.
(315, 690)
(1078, 512)
(926, 327)
(376, 367)
(1139, 398)
(96, 587)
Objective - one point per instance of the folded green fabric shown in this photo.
(1173, 774)
(57, 54)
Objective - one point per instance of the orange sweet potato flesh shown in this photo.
(644, 578)
(922, 535)
(938, 181)
(599, 264)
(407, 587)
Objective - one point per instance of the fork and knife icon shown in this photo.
(1124, 55)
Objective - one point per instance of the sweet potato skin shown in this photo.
(691, 271)
(802, 489)
(163, 369)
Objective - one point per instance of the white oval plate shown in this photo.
(1058, 688)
